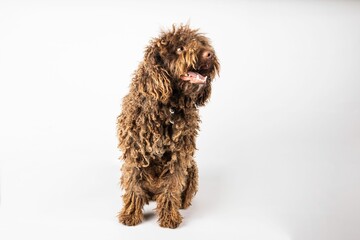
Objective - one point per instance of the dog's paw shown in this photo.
(185, 205)
(170, 220)
(130, 220)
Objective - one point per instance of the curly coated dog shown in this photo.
(159, 123)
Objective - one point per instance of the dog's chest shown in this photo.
(174, 118)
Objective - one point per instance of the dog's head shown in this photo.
(180, 58)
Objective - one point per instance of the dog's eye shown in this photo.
(180, 49)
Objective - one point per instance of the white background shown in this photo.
(279, 146)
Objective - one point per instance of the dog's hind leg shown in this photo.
(134, 197)
(191, 186)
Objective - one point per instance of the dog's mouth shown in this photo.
(199, 76)
(194, 77)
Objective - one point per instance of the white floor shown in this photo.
(261, 198)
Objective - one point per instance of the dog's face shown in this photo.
(186, 55)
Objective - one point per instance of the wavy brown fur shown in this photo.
(159, 123)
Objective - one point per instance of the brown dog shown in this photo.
(159, 123)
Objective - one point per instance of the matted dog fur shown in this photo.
(159, 123)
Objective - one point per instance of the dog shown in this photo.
(159, 122)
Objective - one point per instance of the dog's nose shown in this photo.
(207, 55)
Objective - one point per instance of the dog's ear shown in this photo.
(156, 81)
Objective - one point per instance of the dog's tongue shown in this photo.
(194, 77)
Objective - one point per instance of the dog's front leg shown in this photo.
(134, 197)
(169, 200)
